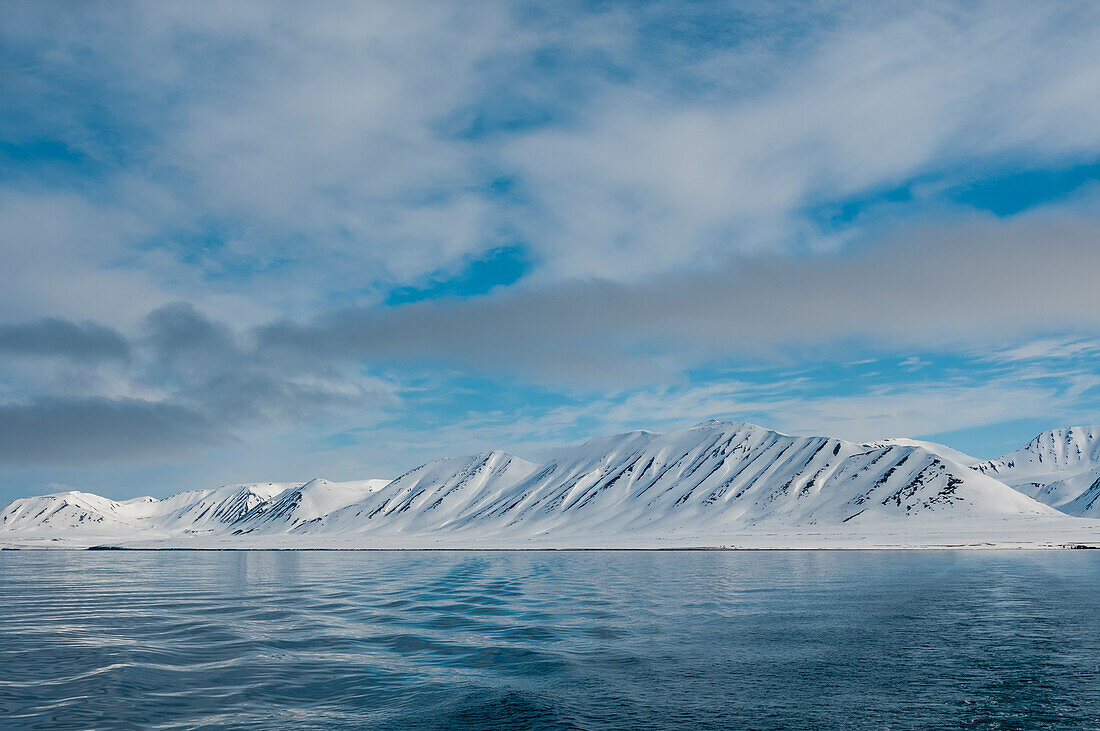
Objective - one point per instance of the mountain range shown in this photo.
(718, 484)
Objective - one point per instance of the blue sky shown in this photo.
(269, 241)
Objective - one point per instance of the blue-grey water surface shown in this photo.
(550, 640)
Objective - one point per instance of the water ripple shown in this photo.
(556, 640)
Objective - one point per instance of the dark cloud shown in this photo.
(184, 348)
(205, 384)
(218, 372)
(178, 328)
(67, 431)
(952, 285)
(54, 337)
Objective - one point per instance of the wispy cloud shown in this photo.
(653, 178)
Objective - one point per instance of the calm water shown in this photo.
(589, 640)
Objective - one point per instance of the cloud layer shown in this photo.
(268, 159)
(952, 285)
(711, 209)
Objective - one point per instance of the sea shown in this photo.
(550, 639)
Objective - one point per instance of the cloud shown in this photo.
(85, 341)
(215, 370)
(1048, 349)
(976, 286)
(796, 403)
(226, 137)
(959, 285)
(74, 431)
(183, 382)
(267, 159)
(652, 178)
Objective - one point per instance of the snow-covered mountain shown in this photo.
(1060, 468)
(67, 512)
(192, 511)
(708, 484)
(715, 477)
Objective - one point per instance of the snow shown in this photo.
(933, 447)
(718, 484)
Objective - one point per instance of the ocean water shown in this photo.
(550, 640)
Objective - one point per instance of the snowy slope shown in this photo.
(431, 497)
(211, 510)
(67, 512)
(304, 504)
(1060, 468)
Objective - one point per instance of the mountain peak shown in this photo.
(1059, 467)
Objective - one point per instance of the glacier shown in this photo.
(714, 485)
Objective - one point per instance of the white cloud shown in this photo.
(651, 180)
(1047, 349)
(307, 138)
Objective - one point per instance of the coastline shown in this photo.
(1018, 534)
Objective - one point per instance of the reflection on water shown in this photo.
(585, 640)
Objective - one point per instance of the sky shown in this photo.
(277, 240)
